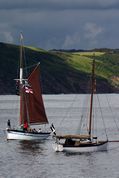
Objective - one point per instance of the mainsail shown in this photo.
(31, 103)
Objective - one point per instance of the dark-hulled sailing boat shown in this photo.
(81, 143)
(32, 111)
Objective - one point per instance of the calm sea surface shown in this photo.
(20, 159)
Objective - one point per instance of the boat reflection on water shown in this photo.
(31, 146)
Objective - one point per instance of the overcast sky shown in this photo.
(61, 24)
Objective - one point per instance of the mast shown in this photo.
(21, 59)
(22, 102)
(91, 99)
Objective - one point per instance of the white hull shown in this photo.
(16, 135)
(59, 148)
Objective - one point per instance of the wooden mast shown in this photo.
(21, 79)
(21, 59)
(23, 96)
(91, 100)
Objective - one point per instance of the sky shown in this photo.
(61, 24)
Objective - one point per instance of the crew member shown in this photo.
(9, 124)
(25, 126)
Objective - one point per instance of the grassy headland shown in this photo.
(62, 71)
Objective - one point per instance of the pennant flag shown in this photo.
(53, 129)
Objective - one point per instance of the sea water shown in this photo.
(38, 160)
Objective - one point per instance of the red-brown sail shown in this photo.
(31, 105)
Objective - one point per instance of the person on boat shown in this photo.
(9, 124)
(25, 128)
(69, 141)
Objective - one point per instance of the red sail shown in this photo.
(31, 104)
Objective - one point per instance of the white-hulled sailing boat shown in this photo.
(81, 143)
(32, 111)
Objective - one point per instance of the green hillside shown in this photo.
(61, 71)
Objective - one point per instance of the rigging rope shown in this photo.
(94, 118)
(25, 62)
(102, 117)
(85, 111)
(112, 113)
(31, 66)
(68, 110)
